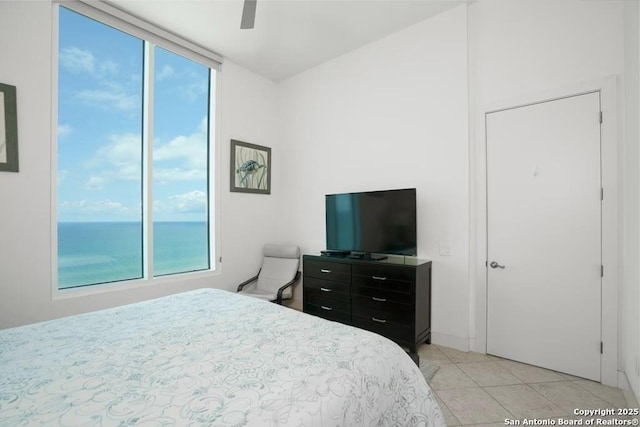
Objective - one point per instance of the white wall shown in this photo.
(392, 114)
(526, 48)
(630, 283)
(636, 383)
(248, 112)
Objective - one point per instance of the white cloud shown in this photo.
(105, 206)
(166, 72)
(191, 148)
(192, 202)
(111, 95)
(176, 174)
(64, 131)
(184, 158)
(124, 151)
(119, 160)
(80, 61)
(188, 84)
(110, 99)
(95, 183)
(109, 67)
(195, 89)
(77, 60)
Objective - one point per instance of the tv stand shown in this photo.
(389, 297)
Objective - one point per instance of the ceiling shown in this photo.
(290, 36)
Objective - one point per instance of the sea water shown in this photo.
(101, 252)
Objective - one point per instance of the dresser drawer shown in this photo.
(327, 270)
(328, 310)
(318, 288)
(385, 272)
(382, 310)
(395, 331)
(328, 303)
(382, 293)
(383, 283)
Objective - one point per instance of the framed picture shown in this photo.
(250, 168)
(8, 129)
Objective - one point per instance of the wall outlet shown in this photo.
(445, 249)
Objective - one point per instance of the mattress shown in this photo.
(207, 357)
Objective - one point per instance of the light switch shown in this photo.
(445, 249)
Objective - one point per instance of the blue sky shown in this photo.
(100, 121)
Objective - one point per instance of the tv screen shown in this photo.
(374, 222)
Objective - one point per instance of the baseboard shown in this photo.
(632, 401)
(474, 344)
(623, 381)
(450, 341)
(625, 385)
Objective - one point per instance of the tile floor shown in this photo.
(478, 389)
(482, 390)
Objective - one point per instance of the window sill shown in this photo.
(59, 294)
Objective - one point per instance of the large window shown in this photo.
(134, 126)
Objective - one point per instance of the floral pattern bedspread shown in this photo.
(207, 357)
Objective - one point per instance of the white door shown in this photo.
(544, 234)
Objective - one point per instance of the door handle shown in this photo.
(323, 270)
(494, 264)
(325, 289)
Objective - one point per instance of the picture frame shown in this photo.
(250, 168)
(8, 129)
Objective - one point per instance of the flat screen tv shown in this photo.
(381, 222)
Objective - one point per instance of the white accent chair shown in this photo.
(277, 276)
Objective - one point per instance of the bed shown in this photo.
(207, 357)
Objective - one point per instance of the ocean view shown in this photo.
(100, 252)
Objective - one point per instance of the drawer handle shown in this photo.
(325, 289)
(325, 271)
(379, 299)
(324, 307)
(378, 278)
(378, 320)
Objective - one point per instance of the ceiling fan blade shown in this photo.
(248, 14)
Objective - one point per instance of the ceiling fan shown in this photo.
(248, 14)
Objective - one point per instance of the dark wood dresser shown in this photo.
(389, 297)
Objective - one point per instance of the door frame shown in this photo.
(609, 170)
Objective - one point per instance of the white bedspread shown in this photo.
(207, 357)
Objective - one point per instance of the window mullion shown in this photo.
(147, 161)
(212, 195)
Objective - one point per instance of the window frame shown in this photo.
(151, 36)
